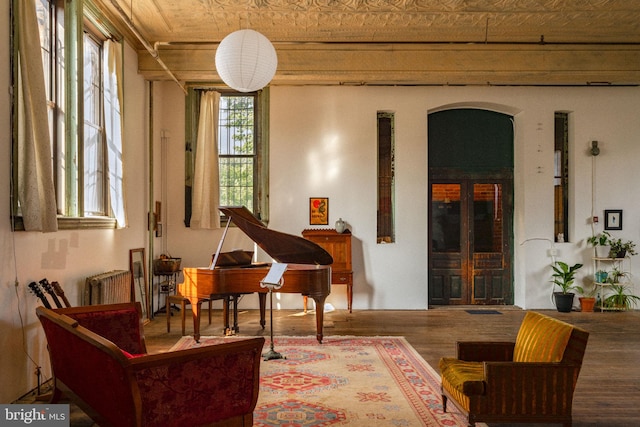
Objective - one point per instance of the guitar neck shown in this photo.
(58, 290)
(47, 287)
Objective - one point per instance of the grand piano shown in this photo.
(308, 272)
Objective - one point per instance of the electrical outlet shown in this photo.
(553, 252)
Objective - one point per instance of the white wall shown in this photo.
(331, 133)
(323, 144)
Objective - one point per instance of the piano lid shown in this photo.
(282, 247)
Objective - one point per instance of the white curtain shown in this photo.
(206, 185)
(36, 191)
(113, 101)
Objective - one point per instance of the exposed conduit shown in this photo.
(151, 49)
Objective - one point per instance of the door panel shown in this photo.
(447, 269)
(470, 244)
(488, 243)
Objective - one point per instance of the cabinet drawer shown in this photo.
(341, 277)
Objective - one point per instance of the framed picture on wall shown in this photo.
(613, 219)
(319, 210)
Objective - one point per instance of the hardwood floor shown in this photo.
(608, 390)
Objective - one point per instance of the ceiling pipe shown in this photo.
(151, 49)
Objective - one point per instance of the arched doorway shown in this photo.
(471, 207)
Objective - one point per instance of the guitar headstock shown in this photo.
(33, 287)
(57, 289)
(58, 292)
(46, 285)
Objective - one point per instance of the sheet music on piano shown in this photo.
(273, 279)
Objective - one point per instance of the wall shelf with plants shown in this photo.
(612, 283)
(607, 246)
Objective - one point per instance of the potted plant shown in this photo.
(588, 298)
(615, 275)
(564, 277)
(601, 243)
(620, 299)
(620, 249)
(601, 276)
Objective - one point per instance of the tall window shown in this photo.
(94, 142)
(237, 151)
(242, 148)
(561, 177)
(73, 73)
(50, 15)
(386, 165)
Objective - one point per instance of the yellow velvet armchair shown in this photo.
(529, 380)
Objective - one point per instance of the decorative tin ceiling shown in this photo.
(521, 21)
(353, 24)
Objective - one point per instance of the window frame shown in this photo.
(95, 37)
(241, 156)
(261, 147)
(65, 99)
(386, 232)
(561, 177)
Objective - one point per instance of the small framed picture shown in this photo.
(319, 210)
(613, 219)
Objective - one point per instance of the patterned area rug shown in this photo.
(355, 381)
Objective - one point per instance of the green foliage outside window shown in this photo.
(237, 151)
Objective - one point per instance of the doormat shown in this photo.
(483, 311)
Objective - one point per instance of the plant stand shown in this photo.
(599, 262)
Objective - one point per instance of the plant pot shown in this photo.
(587, 304)
(619, 254)
(601, 276)
(564, 302)
(603, 251)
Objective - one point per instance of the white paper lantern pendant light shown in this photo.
(246, 60)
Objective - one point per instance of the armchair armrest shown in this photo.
(481, 351)
(531, 387)
(199, 386)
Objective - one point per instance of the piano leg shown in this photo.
(319, 299)
(196, 306)
(235, 298)
(225, 314)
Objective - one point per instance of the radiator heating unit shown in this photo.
(108, 288)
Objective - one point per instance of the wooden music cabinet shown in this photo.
(339, 246)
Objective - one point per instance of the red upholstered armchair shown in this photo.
(99, 360)
(529, 380)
